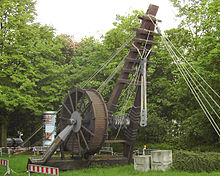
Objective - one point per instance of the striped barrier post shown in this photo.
(9, 152)
(42, 169)
(5, 150)
(6, 164)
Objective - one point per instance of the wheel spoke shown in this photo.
(78, 141)
(71, 102)
(62, 151)
(84, 140)
(67, 108)
(86, 129)
(63, 118)
(76, 100)
(73, 144)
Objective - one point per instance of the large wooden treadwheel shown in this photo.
(87, 108)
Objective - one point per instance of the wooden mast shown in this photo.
(144, 35)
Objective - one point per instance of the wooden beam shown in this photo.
(147, 18)
(114, 141)
(145, 31)
(133, 49)
(150, 42)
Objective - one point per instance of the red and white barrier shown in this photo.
(42, 169)
(5, 163)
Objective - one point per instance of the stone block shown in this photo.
(160, 166)
(142, 163)
(161, 159)
(161, 156)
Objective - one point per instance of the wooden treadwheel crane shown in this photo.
(84, 115)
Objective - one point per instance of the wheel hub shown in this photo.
(76, 120)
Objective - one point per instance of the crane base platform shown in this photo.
(71, 164)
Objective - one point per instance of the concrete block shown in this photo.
(160, 166)
(142, 163)
(161, 156)
(161, 160)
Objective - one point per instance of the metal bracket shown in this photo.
(143, 121)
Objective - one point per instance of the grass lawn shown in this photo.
(18, 164)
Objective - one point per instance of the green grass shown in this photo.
(18, 164)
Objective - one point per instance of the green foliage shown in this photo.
(14, 15)
(154, 133)
(124, 26)
(27, 73)
(196, 162)
(200, 17)
(87, 59)
(199, 43)
(207, 148)
(33, 68)
(158, 146)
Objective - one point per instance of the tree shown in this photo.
(201, 19)
(14, 16)
(112, 41)
(33, 68)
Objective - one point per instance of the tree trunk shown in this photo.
(3, 130)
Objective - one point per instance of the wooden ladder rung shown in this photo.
(128, 81)
(133, 49)
(147, 18)
(114, 141)
(139, 40)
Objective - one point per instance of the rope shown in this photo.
(111, 75)
(192, 90)
(33, 134)
(143, 55)
(137, 49)
(189, 65)
(183, 72)
(195, 70)
(145, 45)
(133, 81)
(109, 60)
(191, 75)
(139, 73)
(208, 115)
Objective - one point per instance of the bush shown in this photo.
(196, 161)
(207, 148)
(162, 146)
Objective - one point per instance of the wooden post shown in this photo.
(3, 130)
